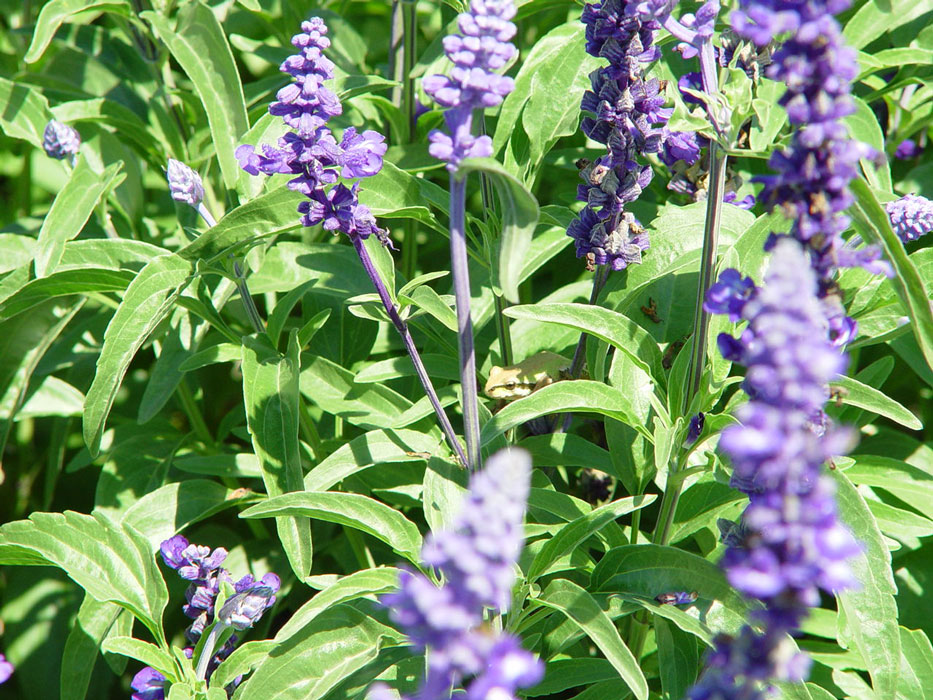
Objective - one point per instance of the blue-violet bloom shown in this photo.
(60, 141)
(149, 684)
(911, 216)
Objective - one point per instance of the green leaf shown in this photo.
(580, 395)
(572, 534)
(61, 284)
(877, 17)
(366, 583)
(562, 674)
(876, 227)
(678, 658)
(916, 670)
(268, 215)
(350, 509)
(332, 387)
(557, 67)
(519, 219)
(147, 301)
(863, 126)
(365, 451)
(609, 326)
(396, 194)
(57, 12)
(310, 663)
(270, 392)
(111, 563)
(909, 483)
(869, 615)
(24, 112)
(171, 508)
(147, 653)
(53, 397)
(580, 607)
(857, 394)
(198, 43)
(222, 352)
(648, 570)
(428, 300)
(71, 209)
(93, 623)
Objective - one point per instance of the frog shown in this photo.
(529, 375)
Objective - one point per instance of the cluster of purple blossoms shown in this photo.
(480, 49)
(814, 171)
(628, 117)
(911, 216)
(203, 568)
(310, 152)
(60, 141)
(790, 542)
(476, 559)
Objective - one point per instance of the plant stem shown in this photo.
(579, 354)
(505, 335)
(459, 267)
(207, 651)
(194, 415)
(409, 343)
(252, 313)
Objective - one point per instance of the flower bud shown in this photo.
(243, 610)
(60, 141)
(184, 183)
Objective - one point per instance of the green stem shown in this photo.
(190, 407)
(505, 335)
(309, 431)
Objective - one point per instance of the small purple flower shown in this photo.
(680, 145)
(200, 562)
(747, 202)
(149, 684)
(243, 610)
(184, 183)
(60, 141)
(911, 216)
(729, 294)
(907, 149)
(6, 669)
(361, 153)
(695, 428)
(703, 23)
(172, 549)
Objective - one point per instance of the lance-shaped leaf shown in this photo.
(519, 218)
(112, 563)
(270, 391)
(57, 12)
(147, 301)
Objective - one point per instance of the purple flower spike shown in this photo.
(310, 153)
(811, 184)
(627, 114)
(790, 543)
(6, 669)
(476, 559)
(149, 684)
(184, 183)
(911, 216)
(200, 561)
(481, 48)
(60, 141)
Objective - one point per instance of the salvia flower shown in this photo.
(60, 141)
(6, 669)
(184, 184)
(203, 568)
(911, 216)
(481, 49)
(476, 560)
(148, 684)
(626, 113)
(311, 153)
(790, 542)
(814, 171)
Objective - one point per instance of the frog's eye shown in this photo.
(510, 384)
